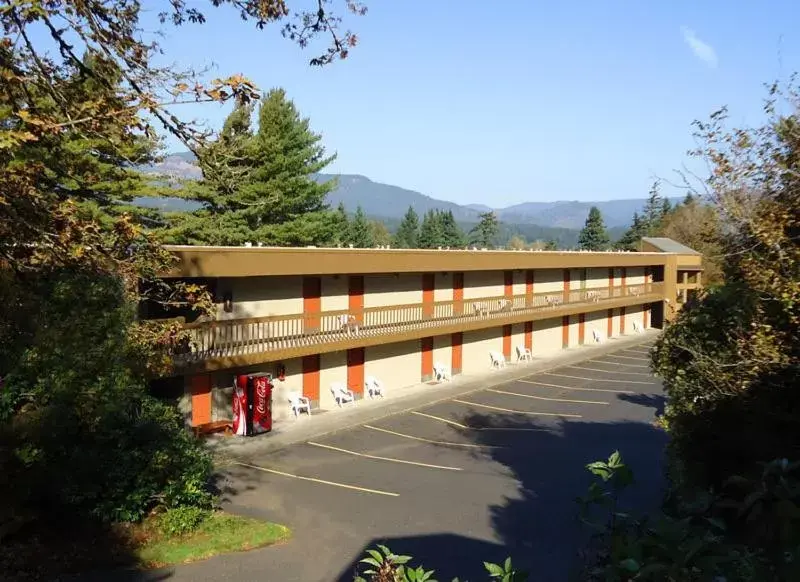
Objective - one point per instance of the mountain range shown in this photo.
(385, 201)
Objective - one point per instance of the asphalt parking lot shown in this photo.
(473, 478)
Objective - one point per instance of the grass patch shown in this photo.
(221, 533)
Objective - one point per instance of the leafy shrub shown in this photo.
(181, 520)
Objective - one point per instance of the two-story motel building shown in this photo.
(322, 315)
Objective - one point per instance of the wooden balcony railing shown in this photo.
(221, 339)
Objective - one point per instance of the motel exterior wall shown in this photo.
(271, 285)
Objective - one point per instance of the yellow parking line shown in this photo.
(581, 389)
(627, 357)
(610, 371)
(516, 411)
(424, 440)
(599, 379)
(620, 364)
(484, 428)
(377, 458)
(321, 481)
(544, 398)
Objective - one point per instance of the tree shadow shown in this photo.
(654, 401)
(538, 527)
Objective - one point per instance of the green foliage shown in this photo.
(407, 234)
(648, 223)
(485, 233)
(385, 566)
(551, 245)
(259, 185)
(177, 521)
(360, 231)
(593, 236)
(431, 234)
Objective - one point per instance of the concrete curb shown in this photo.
(331, 422)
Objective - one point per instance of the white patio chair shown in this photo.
(637, 327)
(524, 353)
(554, 300)
(299, 403)
(441, 373)
(341, 394)
(597, 337)
(348, 324)
(374, 387)
(480, 309)
(497, 359)
(504, 305)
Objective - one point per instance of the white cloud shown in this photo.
(702, 50)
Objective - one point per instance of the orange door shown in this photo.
(201, 399)
(355, 369)
(426, 348)
(457, 342)
(529, 287)
(529, 335)
(311, 377)
(356, 299)
(581, 327)
(565, 331)
(508, 283)
(458, 293)
(312, 303)
(507, 342)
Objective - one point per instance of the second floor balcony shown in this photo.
(240, 342)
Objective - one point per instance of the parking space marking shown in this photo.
(610, 371)
(378, 458)
(321, 481)
(620, 364)
(600, 379)
(433, 442)
(582, 389)
(516, 411)
(627, 357)
(545, 398)
(481, 428)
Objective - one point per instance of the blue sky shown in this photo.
(523, 100)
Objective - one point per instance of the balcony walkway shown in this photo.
(248, 341)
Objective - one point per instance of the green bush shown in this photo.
(79, 433)
(178, 521)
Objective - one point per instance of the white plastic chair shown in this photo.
(637, 327)
(524, 353)
(374, 387)
(441, 373)
(348, 324)
(341, 394)
(299, 403)
(597, 336)
(498, 360)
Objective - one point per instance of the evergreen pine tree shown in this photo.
(452, 235)
(407, 234)
(666, 208)
(551, 245)
(340, 226)
(485, 232)
(593, 236)
(630, 240)
(361, 231)
(260, 186)
(430, 232)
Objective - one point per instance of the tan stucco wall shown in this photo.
(476, 348)
(335, 293)
(598, 321)
(332, 368)
(395, 365)
(519, 282)
(389, 289)
(633, 313)
(548, 280)
(547, 336)
(261, 296)
(596, 278)
(575, 278)
(443, 291)
(442, 352)
(517, 339)
(635, 276)
(483, 284)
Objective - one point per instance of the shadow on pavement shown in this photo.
(538, 527)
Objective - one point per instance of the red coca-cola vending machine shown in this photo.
(252, 404)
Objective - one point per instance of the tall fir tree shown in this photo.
(340, 226)
(485, 232)
(361, 231)
(407, 235)
(551, 245)
(452, 235)
(430, 232)
(630, 240)
(262, 187)
(594, 236)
